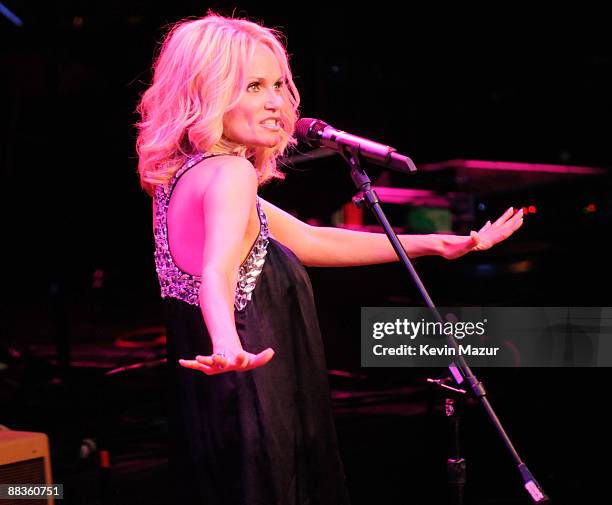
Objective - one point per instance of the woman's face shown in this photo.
(256, 120)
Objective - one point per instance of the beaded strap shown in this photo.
(251, 269)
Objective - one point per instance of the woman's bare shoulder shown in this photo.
(222, 172)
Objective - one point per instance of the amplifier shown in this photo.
(24, 459)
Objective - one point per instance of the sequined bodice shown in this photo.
(175, 283)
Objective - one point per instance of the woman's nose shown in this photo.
(274, 100)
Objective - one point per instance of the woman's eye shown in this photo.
(256, 86)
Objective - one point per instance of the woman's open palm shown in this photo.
(237, 360)
(455, 246)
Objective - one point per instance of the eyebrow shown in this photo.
(264, 79)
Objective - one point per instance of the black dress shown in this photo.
(264, 436)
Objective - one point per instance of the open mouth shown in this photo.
(271, 124)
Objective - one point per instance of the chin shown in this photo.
(270, 143)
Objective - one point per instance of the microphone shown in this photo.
(318, 133)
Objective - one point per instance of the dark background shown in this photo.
(500, 83)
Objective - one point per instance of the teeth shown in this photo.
(272, 122)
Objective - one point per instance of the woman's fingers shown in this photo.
(509, 217)
(518, 217)
(505, 226)
(513, 224)
(504, 217)
(517, 225)
(510, 227)
(485, 227)
(262, 358)
(242, 361)
(219, 361)
(216, 363)
(196, 365)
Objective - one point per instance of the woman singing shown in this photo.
(251, 419)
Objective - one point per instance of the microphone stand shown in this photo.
(455, 462)
(459, 369)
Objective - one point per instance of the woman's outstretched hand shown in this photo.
(454, 246)
(237, 360)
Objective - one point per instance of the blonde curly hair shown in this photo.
(199, 75)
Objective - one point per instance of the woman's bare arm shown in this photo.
(227, 202)
(336, 247)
